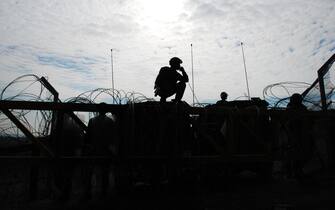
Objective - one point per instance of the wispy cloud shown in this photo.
(80, 64)
(17, 60)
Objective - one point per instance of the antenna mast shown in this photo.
(245, 71)
(192, 72)
(112, 73)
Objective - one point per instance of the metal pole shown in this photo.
(192, 72)
(112, 73)
(245, 71)
(322, 91)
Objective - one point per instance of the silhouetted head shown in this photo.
(102, 108)
(175, 62)
(295, 99)
(223, 96)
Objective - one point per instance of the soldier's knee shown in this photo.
(181, 85)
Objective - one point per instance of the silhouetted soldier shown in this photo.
(169, 81)
(102, 141)
(223, 100)
(300, 143)
(296, 102)
(68, 145)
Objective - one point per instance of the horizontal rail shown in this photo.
(84, 160)
(218, 110)
(32, 105)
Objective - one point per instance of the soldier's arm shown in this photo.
(184, 77)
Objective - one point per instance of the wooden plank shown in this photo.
(30, 105)
(34, 105)
(44, 149)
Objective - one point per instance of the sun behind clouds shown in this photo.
(161, 10)
(158, 15)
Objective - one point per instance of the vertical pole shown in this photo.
(112, 68)
(322, 91)
(192, 72)
(245, 71)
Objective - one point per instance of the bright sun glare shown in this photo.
(159, 15)
(162, 10)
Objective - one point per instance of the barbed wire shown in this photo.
(30, 88)
(278, 94)
(26, 88)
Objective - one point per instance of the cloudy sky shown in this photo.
(69, 42)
